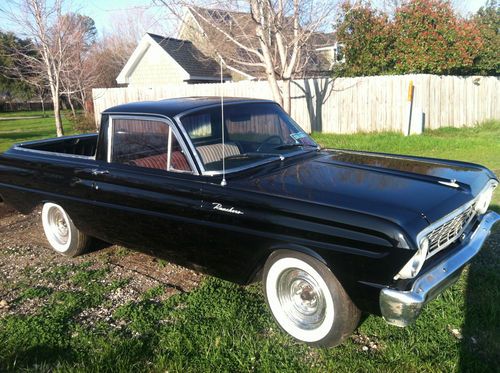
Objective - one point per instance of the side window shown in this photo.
(146, 143)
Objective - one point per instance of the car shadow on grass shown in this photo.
(480, 347)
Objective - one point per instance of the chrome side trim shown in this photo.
(401, 308)
(46, 152)
(190, 144)
(169, 147)
(110, 136)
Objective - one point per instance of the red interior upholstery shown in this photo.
(155, 161)
(178, 161)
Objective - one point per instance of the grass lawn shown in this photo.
(34, 113)
(15, 130)
(223, 327)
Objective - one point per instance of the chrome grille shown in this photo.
(447, 233)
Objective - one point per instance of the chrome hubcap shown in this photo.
(301, 298)
(58, 226)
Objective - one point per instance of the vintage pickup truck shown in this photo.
(243, 193)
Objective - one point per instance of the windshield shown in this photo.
(254, 132)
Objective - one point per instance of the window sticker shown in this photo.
(298, 135)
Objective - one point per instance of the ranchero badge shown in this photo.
(232, 210)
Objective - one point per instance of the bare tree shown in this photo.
(81, 72)
(112, 51)
(108, 56)
(274, 37)
(43, 22)
(39, 85)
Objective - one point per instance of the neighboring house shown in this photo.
(161, 60)
(202, 27)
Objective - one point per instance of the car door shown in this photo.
(146, 194)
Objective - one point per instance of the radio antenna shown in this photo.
(223, 182)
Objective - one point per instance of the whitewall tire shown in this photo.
(306, 299)
(60, 231)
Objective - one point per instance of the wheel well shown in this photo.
(257, 273)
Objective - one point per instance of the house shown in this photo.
(161, 60)
(203, 27)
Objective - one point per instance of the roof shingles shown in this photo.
(196, 64)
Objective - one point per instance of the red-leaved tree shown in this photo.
(432, 38)
(487, 20)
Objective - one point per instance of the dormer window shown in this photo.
(333, 53)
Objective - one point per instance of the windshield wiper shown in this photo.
(254, 155)
(294, 145)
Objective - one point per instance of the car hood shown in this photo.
(403, 189)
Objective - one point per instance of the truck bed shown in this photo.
(79, 145)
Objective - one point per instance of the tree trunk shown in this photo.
(54, 91)
(43, 106)
(57, 116)
(273, 83)
(57, 112)
(287, 99)
(83, 99)
(71, 106)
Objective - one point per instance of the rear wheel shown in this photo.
(307, 300)
(61, 233)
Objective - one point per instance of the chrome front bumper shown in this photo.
(401, 308)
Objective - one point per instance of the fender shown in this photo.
(257, 271)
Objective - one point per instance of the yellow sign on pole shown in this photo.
(410, 91)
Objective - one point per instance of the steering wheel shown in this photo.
(268, 141)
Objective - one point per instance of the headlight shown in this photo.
(484, 200)
(415, 264)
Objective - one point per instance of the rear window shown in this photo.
(198, 125)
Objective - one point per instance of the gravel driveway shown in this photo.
(25, 254)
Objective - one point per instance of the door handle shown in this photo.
(93, 171)
(97, 172)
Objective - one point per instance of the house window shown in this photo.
(147, 144)
(338, 53)
(334, 53)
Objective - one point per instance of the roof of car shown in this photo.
(173, 106)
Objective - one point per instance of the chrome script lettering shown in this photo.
(232, 210)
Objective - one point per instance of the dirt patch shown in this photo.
(26, 259)
(4, 211)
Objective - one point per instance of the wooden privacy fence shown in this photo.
(349, 105)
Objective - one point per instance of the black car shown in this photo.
(245, 194)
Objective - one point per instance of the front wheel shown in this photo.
(307, 300)
(61, 233)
